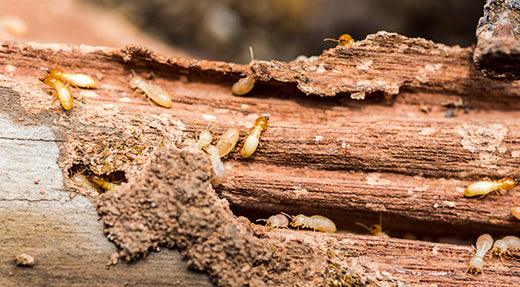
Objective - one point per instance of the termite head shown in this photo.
(500, 247)
(475, 265)
(298, 220)
(205, 139)
(343, 40)
(56, 73)
(135, 81)
(262, 122)
(375, 229)
(276, 221)
(507, 183)
(50, 81)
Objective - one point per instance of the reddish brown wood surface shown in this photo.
(348, 159)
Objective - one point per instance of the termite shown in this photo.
(276, 221)
(77, 80)
(217, 166)
(376, 229)
(245, 84)
(315, 222)
(102, 183)
(484, 187)
(82, 181)
(154, 92)
(62, 91)
(343, 40)
(515, 211)
(205, 139)
(227, 141)
(506, 245)
(251, 141)
(476, 263)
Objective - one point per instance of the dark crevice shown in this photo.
(395, 225)
(100, 182)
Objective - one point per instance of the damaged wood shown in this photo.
(386, 63)
(172, 204)
(498, 47)
(328, 155)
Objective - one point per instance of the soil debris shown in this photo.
(24, 260)
(172, 204)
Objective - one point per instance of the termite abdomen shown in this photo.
(74, 79)
(62, 91)
(155, 93)
(227, 141)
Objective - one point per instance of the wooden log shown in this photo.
(331, 155)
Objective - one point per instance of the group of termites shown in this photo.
(227, 142)
(60, 81)
(509, 245)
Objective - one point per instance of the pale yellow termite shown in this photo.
(227, 141)
(376, 229)
(62, 91)
(245, 84)
(74, 79)
(103, 183)
(315, 222)
(506, 245)
(484, 187)
(515, 211)
(205, 139)
(154, 92)
(476, 263)
(217, 166)
(276, 221)
(251, 141)
(82, 181)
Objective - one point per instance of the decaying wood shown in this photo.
(348, 159)
(498, 48)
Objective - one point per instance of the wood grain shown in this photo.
(351, 160)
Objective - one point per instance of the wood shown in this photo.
(497, 53)
(334, 156)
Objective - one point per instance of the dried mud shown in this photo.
(172, 204)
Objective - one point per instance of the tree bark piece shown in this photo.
(498, 48)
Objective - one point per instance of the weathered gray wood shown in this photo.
(60, 232)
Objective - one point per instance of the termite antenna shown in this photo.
(133, 72)
(330, 39)
(251, 54)
(208, 126)
(290, 216)
(261, 219)
(364, 226)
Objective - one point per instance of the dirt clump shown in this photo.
(24, 260)
(172, 204)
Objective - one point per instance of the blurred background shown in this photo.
(224, 29)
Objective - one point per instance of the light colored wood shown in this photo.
(62, 232)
